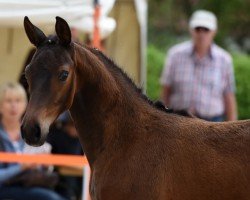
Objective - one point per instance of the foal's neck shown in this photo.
(100, 104)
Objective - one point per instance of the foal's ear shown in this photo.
(35, 35)
(63, 31)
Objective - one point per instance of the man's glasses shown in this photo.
(201, 29)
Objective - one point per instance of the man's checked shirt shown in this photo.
(196, 84)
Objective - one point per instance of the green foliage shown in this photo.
(242, 76)
(154, 69)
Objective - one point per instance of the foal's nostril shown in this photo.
(37, 133)
(31, 134)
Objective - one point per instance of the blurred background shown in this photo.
(168, 25)
(136, 34)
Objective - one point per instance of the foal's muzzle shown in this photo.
(32, 134)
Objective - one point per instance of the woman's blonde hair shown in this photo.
(16, 87)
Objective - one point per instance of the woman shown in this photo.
(13, 102)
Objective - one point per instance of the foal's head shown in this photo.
(51, 79)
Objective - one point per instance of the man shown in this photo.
(198, 75)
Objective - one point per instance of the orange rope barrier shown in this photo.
(44, 159)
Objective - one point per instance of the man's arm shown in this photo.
(230, 106)
(165, 94)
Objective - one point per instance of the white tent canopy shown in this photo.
(13, 11)
(79, 14)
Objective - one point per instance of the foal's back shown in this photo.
(206, 160)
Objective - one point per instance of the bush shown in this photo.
(242, 74)
(155, 64)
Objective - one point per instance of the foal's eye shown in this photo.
(63, 75)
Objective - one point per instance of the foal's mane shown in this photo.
(110, 63)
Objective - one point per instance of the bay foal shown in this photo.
(135, 151)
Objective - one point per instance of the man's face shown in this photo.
(202, 37)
